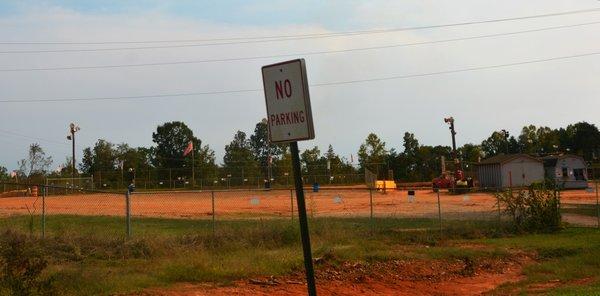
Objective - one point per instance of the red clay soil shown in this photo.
(276, 203)
(398, 277)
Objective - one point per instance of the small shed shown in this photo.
(569, 171)
(509, 170)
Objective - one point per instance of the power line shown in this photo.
(14, 134)
(296, 54)
(273, 56)
(211, 44)
(312, 85)
(458, 70)
(313, 35)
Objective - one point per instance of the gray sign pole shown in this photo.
(308, 263)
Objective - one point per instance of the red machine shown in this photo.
(457, 179)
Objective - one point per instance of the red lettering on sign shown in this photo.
(294, 117)
(287, 85)
(279, 89)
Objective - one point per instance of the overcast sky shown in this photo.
(553, 93)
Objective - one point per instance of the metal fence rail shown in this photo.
(48, 210)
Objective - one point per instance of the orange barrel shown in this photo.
(34, 191)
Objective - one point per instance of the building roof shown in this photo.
(551, 160)
(504, 158)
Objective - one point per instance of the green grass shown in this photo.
(567, 256)
(580, 209)
(91, 255)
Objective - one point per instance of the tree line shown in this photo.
(252, 156)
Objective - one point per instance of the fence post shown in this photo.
(439, 212)
(597, 205)
(292, 202)
(212, 194)
(499, 210)
(371, 208)
(128, 213)
(44, 212)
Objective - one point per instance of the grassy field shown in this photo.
(569, 259)
(91, 255)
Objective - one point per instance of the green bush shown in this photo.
(534, 209)
(21, 267)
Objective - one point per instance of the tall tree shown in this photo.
(585, 139)
(372, 153)
(497, 143)
(337, 164)
(238, 159)
(549, 141)
(171, 139)
(311, 160)
(65, 169)
(282, 165)
(411, 145)
(262, 148)
(206, 163)
(528, 139)
(4, 173)
(102, 157)
(133, 158)
(37, 163)
(470, 153)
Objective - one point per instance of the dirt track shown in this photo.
(397, 277)
(276, 203)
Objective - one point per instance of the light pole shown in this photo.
(72, 129)
(506, 134)
(132, 176)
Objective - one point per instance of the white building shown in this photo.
(569, 171)
(514, 170)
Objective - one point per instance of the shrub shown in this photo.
(21, 266)
(534, 209)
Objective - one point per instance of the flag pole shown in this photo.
(193, 172)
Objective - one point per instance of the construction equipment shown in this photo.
(455, 181)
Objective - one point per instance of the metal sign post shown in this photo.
(289, 118)
(308, 264)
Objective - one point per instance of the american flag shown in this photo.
(188, 149)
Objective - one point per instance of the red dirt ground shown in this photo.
(276, 203)
(398, 277)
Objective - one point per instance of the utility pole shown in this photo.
(72, 130)
(506, 134)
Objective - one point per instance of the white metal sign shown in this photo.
(288, 103)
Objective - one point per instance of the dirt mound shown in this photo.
(396, 277)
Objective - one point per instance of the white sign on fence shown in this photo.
(289, 114)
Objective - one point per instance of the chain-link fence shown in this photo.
(581, 207)
(50, 210)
